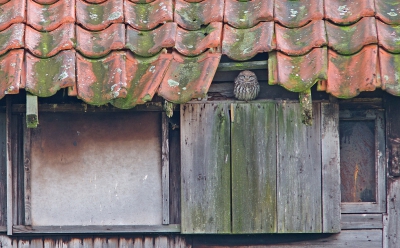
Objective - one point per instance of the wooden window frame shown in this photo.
(376, 115)
(18, 183)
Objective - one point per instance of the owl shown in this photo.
(246, 86)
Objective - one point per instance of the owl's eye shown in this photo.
(242, 77)
(251, 78)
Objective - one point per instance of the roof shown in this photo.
(124, 51)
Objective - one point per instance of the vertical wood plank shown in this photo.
(10, 199)
(27, 175)
(253, 141)
(6, 241)
(3, 171)
(393, 211)
(205, 172)
(55, 242)
(179, 241)
(165, 169)
(299, 171)
(126, 242)
(161, 241)
(175, 174)
(30, 243)
(105, 242)
(392, 105)
(380, 160)
(32, 119)
(330, 146)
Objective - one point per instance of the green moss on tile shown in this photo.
(193, 38)
(46, 44)
(244, 44)
(46, 16)
(142, 42)
(192, 15)
(143, 12)
(95, 14)
(47, 73)
(5, 36)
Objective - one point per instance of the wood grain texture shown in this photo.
(9, 177)
(175, 174)
(32, 111)
(361, 221)
(330, 168)
(392, 105)
(165, 168)
(205, 172)
(27, 175)
(3, 171)
(31, 243)
(392, 227)
(299, 171)
(253, 142)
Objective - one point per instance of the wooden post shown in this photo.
(9, 169)
(31, 111)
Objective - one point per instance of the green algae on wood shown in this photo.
(306, 107)
(32, 119)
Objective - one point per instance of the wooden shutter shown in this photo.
(205, 172)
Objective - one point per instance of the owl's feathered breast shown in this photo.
(246, 86)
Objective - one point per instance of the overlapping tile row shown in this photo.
(124, 51)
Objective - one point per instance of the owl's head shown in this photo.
(246, 76)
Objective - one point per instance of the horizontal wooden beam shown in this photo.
(3, 229)
(361, 221)
(172, 228)
(238, 66)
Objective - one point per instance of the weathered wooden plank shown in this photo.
(165, 168)
(32, 111)
(27, 175)
(393, 213)
(9, 159)
(175, 172)
(55, 242)
(161, 241)
(3, 171)
(30, 243)
(98, 229)
(392, 105)
(81, 242)
(253, 142)
(330, 168)
(299, 171)
(6, 241)
(100, 242)
(205, 172)
(361, 221)
(180, 242)
(238, 66)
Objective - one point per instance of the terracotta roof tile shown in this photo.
(149, 43)
(12, 38)
(12, 12)
(248, 14)
(10, 72)
(347, 12)
(389, 36)
(192, 43)
(298, 73)
(46, 1)
(350, 75)
(95, 44)
(148, 16)
(96, 17)
(192, 16)
(243, 44)
(50, 17)
(351, 39)
(388, 11)
(390, 71)
(188, 78)
(101, 80)
(299, 41)
(141, 1)
(297, 13)
(47, 44)
(144, 76)
(44, 77)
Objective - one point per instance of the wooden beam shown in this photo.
(32, 119)
(361, 221)
(165, 169)
(238, 66)
(27, 174)
(9, 169)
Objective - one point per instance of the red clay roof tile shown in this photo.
(188, 78)
(296, 13)
(101, 80)
(192, 43)
(44, 77)
(95, 44)
(149, 43)
(347, 12)
(10, 71)
(193, 16)
(388, 11)
(248, 14)
(299, 41)
(351, 39)
(47, 44)
(50, 17)
(389, 36)
(243, 44)
(148, 16)
(298, 73)
(96, 17)
(390, 71)
(350, 75)
(12, 38)
(12, 12)
(46, 1)
(144, 77)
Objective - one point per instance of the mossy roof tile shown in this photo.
(12, 12)
(10, 72)
(248, 14)
(296, 13)
(348, 12)
(12, 38)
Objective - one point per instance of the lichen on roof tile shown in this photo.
(149, 43)
(188, 78)
(390, 71)
(10, 72)
(297, 13)
(351, 39)
(243, 44)
(101, 80)
(47, 44)
(95, 44)
(192, 43)
(96, 17)
(349, 75)
(389, 36)
(12, 12)
(12, 38)
(148, 16)
(50, 17)
(44, 77)
(388, 11)
(348, 12)
(298, 73)
(144, 77)
(248, 14)
(299, 41)
(193, 16)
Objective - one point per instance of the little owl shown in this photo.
(246, 86)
